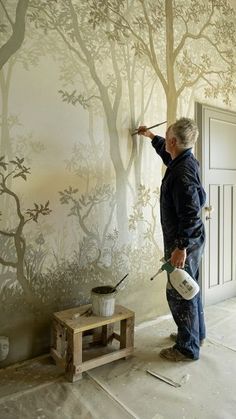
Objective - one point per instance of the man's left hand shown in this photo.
(178, 258)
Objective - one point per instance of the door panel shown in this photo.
(222, 157)
(213, 236)
(216, 151)
(227, 229)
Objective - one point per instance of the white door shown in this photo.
(216, 152)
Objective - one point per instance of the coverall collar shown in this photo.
(181, 156)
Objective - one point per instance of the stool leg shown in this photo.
(97, 334)
(127, 333)
(107, 333)
(74, 356)
(58, 341)
(54, 335)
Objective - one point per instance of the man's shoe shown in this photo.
(174, 355)
(173, 336)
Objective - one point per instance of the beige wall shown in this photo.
(69, 97)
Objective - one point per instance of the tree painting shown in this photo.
(108, 67)
(14, 41)
(84, 208)
(184, 42)
(15, 234)
(69, 21)
(146, 202)
(27, 55)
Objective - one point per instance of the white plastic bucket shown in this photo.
(103, 301)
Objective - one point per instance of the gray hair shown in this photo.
(186, 132)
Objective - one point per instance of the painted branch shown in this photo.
(18, 34)
(8, 263)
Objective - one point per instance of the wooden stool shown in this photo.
(67, 336)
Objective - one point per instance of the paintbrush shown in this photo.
(114, 288)
(163, 378)
(153, 126)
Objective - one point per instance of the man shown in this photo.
(182, 197)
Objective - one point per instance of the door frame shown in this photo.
(199, 109)
(199, 153)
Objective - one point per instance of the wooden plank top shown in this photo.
(72, 318)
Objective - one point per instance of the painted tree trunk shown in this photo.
(121, 178)
(5, 150)
(171, 93)
(23, 281)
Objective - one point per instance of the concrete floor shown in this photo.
(123, 389)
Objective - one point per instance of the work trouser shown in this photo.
(188, 314)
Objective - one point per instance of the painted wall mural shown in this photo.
(79, 196)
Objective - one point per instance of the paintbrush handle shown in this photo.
(153, 126)
(120, 282)
(163, 378)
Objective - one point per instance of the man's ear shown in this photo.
(173, 141)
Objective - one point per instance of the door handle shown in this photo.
(209, 210)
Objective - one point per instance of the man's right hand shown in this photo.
(142, 130)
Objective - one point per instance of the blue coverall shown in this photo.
(181, 200)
